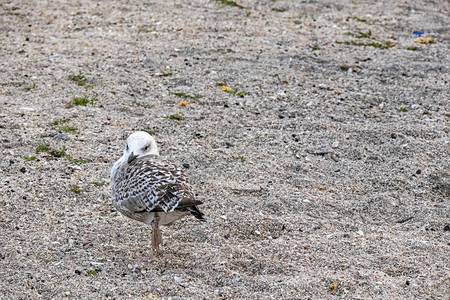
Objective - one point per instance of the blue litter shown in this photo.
(419, 33)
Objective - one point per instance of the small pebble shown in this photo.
(227, 236)
(58, 136)
(186, 165)
(23, 170)
(23, 110)
(418, 172)
(447, 228)
(393, 136)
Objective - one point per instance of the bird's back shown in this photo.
(148, 185)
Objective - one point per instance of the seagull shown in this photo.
(150, 190)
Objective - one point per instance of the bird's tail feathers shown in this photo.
(196, 213)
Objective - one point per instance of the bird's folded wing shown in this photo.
(149, 185)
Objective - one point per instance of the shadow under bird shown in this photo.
(148, 189)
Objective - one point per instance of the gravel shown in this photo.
(323, 167)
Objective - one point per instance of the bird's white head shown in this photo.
(138, 144)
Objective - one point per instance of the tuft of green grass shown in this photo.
(229, 3)
(92, 272)
(42, 148)
(242, 158)
(59, 153)
(59, 124)
(142, 104)
(359, 20)
(83, 101)
(29, 158)
(151, 132)
(78, 161)
(75, 189)
(32, 87)
(386, 45)
(69, 129)
(79, 79)
(186, 96)
(80, 101)
(363, 35)
(175, 117)
(375, 45)
(94, 99)
(412, 48)
(96, 183)
(403, 109)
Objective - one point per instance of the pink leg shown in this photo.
(156, 235)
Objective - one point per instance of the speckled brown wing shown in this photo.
(150, 185)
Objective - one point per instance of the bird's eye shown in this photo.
(127, 147)
(145, 148)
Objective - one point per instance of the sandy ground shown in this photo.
(327, 178)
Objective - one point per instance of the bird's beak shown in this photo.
(131, 157)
